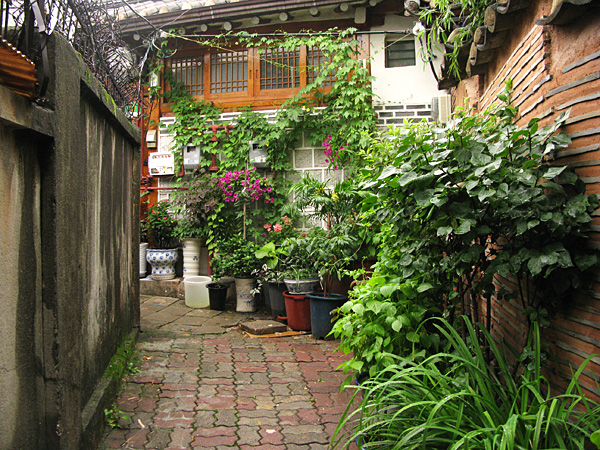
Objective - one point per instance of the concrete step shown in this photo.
(162, 288)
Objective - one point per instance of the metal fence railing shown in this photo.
(88, 26)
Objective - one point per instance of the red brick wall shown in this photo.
(554, 68)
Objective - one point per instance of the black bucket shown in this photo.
(217, 295)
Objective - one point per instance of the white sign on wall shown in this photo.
(161, 163)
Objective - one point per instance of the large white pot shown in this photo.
(191, 257)
(143, 250)
(162, 262)
(245, 301)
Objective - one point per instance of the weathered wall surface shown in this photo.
(69, 176)
(20, 188)
(555, 69)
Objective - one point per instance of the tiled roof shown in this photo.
(151, 7)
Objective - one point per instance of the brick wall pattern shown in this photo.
(555, 69)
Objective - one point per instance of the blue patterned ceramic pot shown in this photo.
(162, 262)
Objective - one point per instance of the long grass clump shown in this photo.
(458, 400)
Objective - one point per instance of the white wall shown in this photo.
(415, 84)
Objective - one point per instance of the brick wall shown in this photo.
(554, 68)
(392, 114)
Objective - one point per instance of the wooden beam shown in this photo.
(360, 15)
(412, 6)
(486, 40)
(256, 20)
(342, 8)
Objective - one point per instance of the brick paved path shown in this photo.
(205, 385)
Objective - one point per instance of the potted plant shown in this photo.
(159, 226)
(335, 250)
(273, 253)
(199, 199)
(236, 257)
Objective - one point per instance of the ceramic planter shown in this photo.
(162, 262)
(302, 286)
(245, 301)
(191, 257)
(143, 251)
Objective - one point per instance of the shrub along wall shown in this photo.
(554, 69)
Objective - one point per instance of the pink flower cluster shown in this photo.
(244, 183)
(332, 156)
(277, 227)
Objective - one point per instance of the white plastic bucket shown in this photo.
(196, 292)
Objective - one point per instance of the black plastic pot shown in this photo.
(276, 298)
(217, 295)
(321, 308)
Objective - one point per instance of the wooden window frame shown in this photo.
(254, 96)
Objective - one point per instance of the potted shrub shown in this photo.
(298, 265)
(236, 257)
(335, 252)
(195, 204)
(273, 253)
(159, 226)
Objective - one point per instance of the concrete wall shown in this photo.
(401, 85)
(69, 175)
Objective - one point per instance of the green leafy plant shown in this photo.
(235, 256)
(115, 416)
(458, 207)
(456, 399)
(123, 363)
(197, 202)
(159, 225)
(452, 24)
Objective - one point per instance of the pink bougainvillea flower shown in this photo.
(277, 228)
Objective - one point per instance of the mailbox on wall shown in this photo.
(258, 156)
(161, 164)
(192, 154)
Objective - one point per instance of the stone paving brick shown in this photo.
(229, 391)
(158, 438)
(263, 447)
(248, 435)
(271, 435)
(214, 436)
(174, 419)
(181, 437)
(227, 417)
(137, 438)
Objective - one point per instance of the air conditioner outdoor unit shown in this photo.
(441, 108)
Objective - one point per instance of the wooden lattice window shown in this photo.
(315, 60)
(279, 69)
(228, 72)
(189, 71)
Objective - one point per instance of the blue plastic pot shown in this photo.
(321, 309)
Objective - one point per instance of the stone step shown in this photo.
(162, 288)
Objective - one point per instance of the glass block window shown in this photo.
(189, 71)
(279, 69)
(315, 59)
(228, 72)
(400, 51)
